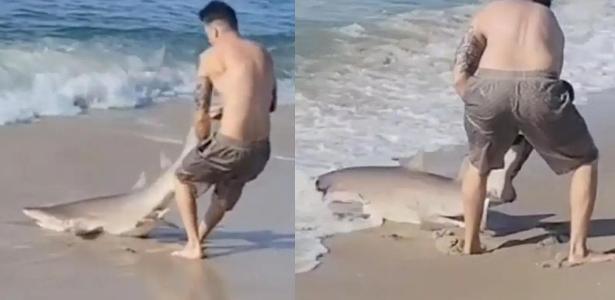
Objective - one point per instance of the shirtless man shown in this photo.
(241, 71)
(507, 70)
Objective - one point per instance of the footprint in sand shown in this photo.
(553, 240)
(448, 243)
(558, 262)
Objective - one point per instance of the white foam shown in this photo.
(389, 94)
(56, 79)
(59, 77)
(353, 30)
(313, 221)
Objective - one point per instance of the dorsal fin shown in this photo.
(165, 162)
(140, 182)
(413, 163)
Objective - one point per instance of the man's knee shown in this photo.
(590, 166)
(179, 181)
(183, 184)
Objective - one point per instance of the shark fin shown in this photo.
(140, 182)
(413, 163)
(168, 223)
(165, 162)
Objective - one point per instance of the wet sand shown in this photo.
(400, 261)
(63, 159)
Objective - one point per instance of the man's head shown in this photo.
(218, 18)
(546, 3)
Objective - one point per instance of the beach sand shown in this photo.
(63, 159)
(400, 261)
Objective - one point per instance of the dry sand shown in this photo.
(63, 159)
(399, 261)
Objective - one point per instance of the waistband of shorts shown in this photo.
(233, 142)
(516, 75)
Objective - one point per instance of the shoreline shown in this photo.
(60, 159)
(401, 259)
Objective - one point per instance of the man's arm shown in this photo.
(203, 93)
(202, 98)
(467, 57)
(563, 41)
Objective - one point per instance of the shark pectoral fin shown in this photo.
(167, 223)
(159, 213)
(83, 228)
(165, 162)
(141, 229)
(140, 182)
(446, 221)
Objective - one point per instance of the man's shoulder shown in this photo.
(256, 45)
(209, 61)
(207, 54)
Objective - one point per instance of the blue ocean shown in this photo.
(64, 57)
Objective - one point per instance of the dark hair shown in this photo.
(546, 3)
(218, 11)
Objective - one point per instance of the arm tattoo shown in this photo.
(469, 52)
(202, 93)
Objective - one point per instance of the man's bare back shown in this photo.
(520, 35)
(507, 69)
(241, 72)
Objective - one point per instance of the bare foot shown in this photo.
(472, 249)
(591, 257)
(563, 261)
(189, 252)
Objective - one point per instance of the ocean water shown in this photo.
(63, 57)
(373, 82)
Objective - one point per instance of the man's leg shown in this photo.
(473, 191)
(213, 216)
(186, 203)
(582, 197)
(223, 199)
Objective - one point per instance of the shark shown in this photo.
(135, 213)
(411, 193)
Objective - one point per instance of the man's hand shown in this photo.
(215, 112)
(460, 85)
